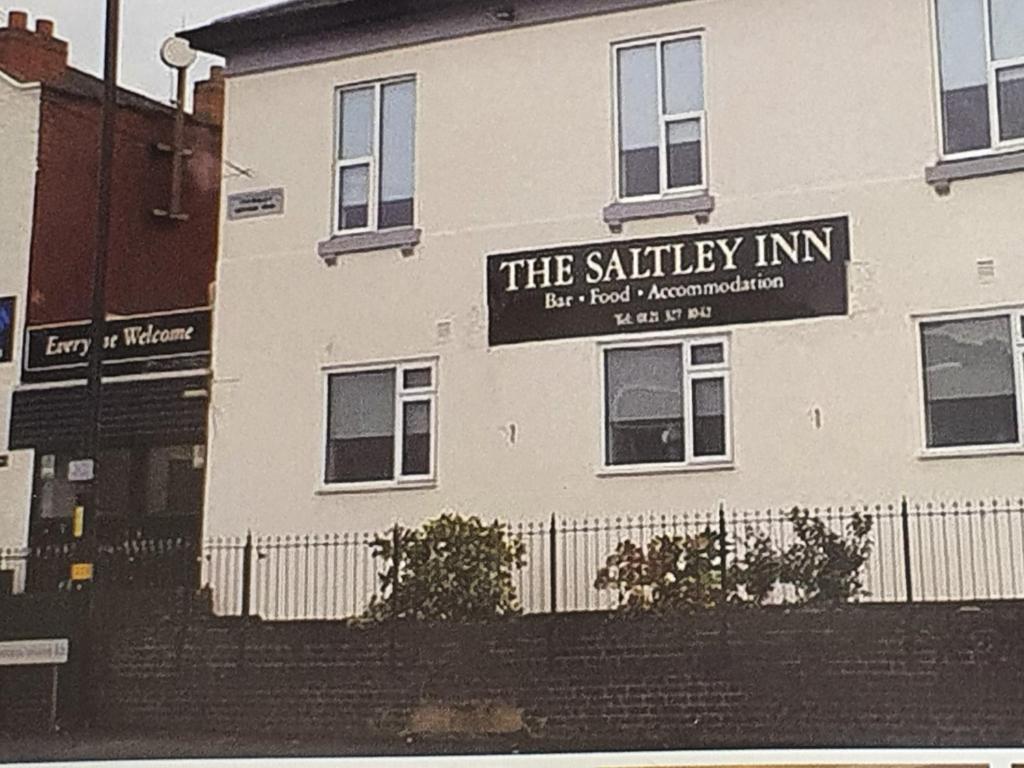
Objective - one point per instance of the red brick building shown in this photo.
(160, 277)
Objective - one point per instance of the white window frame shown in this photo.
(663, 120)
(403, 395)
(372, 160)
(691, 373)
(996, 145)
(1015, 314)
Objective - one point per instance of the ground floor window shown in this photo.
(380, 424)
(149, 490)
(667, 403)
(972, 379)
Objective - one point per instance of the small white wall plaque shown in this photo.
(250, 205)
(19, 653)
(81, 470)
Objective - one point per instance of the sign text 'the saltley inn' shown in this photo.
(773, 272)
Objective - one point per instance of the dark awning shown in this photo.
(171, 410)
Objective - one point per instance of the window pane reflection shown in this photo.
(644, 405)
(970, 393)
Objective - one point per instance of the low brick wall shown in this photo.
(859, 676)
(26, 692)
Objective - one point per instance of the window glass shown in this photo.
(709, 417)
(398, 112)
(356, 123)
(1007, 18)
(173, 484)
(355, 197)
(417, 378)
(707, 354)
(644, 405)
(684, 154)
(416, 438)
(970, 394)
(114, 476)
(361, 432)
(684, 76)
(1010, 90)
(964, 73)
(55, 496)
(639, 120)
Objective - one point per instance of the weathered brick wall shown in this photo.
(26, 692)
(928, 675)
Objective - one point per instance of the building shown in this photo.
(616, 255)
(159, 291)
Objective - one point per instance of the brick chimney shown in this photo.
(208, 97)
(31, 56)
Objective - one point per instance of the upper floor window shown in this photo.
(972, 380)
(662, 131)
(375, 156)
(380, 424)
(981, 68)
(667, 404)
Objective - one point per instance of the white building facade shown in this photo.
(19, 138)
(616, 256)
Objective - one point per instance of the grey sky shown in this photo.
(144, 25)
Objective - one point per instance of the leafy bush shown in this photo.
(452, 568)
(675, 572)
(760, 568)
(824, 566)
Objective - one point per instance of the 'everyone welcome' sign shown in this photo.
(142, 338)
(774, 272)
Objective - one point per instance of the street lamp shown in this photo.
(177, 54)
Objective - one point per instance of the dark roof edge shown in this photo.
(300, 17)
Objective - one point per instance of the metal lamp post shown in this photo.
(88, 468)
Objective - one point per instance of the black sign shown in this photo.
(6, 329)
(127, 340)
(774, 272)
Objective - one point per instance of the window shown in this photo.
(981, 69)
(375, 157)
(667, 403)
(972, 380)
(661, 119)
(137, 483)
(380, 424)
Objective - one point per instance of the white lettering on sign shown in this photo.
(679, 259)
(144, 335)
(18, 653)
(55, 346)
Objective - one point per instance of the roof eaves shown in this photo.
(300, 17)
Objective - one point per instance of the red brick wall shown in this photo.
(154, 264)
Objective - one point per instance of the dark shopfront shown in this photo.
(151, 465)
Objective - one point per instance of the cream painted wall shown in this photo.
(19, 132)
(815, 108)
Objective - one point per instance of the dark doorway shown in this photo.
(148, 522)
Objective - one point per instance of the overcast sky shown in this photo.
(144, 25)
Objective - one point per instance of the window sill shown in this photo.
(405, 238)
(943, 173)
(634, 470)
(970, 452)
(376, 487)
(617, 213)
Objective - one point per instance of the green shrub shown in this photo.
(451, 568)
(825, 566)
(675, 572)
